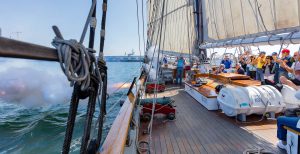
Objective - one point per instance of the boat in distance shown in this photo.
(130, 57)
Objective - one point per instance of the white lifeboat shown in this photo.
(250, 100)
(233, 101)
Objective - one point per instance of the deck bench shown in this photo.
(292, 140)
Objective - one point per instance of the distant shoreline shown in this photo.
(123, 58)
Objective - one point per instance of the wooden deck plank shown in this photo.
(163, 143)
(157, 145)
(194, 122)
(196, 146)
(174, 143)
(168, 142)
(213, 138)
(234, 131)
(178, 136)
(184, 139)
(197, 130)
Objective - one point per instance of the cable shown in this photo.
(143, 19)
(138, 28)
(157, 80)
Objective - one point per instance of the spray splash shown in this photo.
(32, 85)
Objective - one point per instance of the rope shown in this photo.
(138, 28)
(71, 121)
(143, 19)
(75, 61)
(79, 65)
(93, 93)
(157, 81)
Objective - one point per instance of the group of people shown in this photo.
(286, 68)
(225, 67)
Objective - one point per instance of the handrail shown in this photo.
(18, 49)
(292, 130)
(116, 139)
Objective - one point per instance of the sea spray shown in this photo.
(32, 85)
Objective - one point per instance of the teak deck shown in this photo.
(197, 130)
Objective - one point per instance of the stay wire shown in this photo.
(157, 80)
(138, 28)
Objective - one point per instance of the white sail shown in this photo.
(241, 19)
(178, 31)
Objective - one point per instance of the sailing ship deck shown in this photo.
(197, 130)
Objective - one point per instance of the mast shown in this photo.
(202, 53)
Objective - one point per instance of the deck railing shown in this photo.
(115, 141)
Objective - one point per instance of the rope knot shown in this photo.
(76, 61)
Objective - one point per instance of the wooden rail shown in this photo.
(17, 49)
(116, 139)
(291, 130)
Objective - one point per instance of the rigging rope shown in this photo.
(75, 61)
(143, 19)
(157, 80)
(138, 28)
(80, 66)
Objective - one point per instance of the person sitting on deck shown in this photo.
(261, 60)
(239, 69)
(180, 66)
(221, 69)
(294, 83)
(227, 62)
(286, 58)
(291, 122)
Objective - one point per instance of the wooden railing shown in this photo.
(17, 49)
(116, 139)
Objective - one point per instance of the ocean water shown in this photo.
(38, 127)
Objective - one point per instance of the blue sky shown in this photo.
(34, 18)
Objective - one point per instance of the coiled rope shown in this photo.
(75, 61)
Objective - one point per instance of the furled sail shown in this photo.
(178, 30)
(243, 20)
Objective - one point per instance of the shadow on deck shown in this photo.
(197, 130)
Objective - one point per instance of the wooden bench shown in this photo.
(204, 94)
(292, 139)
(231, 78)
(246, 83)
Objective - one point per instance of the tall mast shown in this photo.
(199, 28)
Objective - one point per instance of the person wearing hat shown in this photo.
(287, 59)
(261, 60)
(295, 82)
(275, 68)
